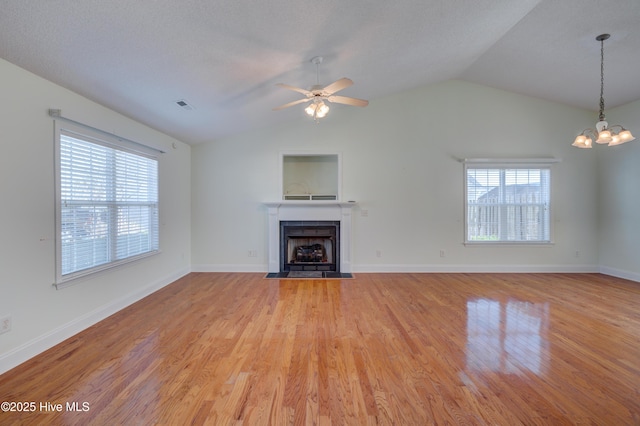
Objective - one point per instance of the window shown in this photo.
(507, 203)
(107, 203)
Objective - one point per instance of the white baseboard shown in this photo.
(409, 268)
(476, 268)
(46, 341)
(619, 273)
(230, 268)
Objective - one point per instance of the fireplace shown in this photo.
(309, 246)
(319, 239)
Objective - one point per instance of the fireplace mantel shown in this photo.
(287, 210)
(317, 203)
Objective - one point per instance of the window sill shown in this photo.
(509, 243)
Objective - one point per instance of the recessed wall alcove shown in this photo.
(311, 176)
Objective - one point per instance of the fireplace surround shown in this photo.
(318, 217)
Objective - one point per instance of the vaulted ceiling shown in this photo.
(224, 57)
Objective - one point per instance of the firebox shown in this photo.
(309, 246)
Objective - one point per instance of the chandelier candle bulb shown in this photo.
(604, 137)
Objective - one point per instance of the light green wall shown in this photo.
(42, 315)
(400, 163)
(619, 200)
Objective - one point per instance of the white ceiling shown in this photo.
(224, 57)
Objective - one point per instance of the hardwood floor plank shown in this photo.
(235, 348)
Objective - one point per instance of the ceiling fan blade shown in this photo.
(295, 89)
(299, 101)
(348, 101)
(336, 86)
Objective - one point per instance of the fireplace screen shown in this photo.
(309, 246)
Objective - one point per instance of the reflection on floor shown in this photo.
(507, 338)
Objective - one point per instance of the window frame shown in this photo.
(106, 140)
(503, 165)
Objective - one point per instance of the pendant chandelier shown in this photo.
(603, 133)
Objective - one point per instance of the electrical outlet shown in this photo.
(253, 253)
(378, 253)
(5, 324)
(441, 253)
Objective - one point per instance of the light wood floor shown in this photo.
(407, 349)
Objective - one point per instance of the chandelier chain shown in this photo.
(601, 116)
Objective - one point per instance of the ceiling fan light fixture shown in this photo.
(603, 134)
(322, 109)
(310, 110)
(317, 94)
(317, 109)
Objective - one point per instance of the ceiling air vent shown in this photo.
(184, 105)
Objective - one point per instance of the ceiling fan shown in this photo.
(317, 95)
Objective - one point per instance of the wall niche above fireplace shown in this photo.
(311, 176)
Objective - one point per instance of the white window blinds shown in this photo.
(107, 205)
(508, 203)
